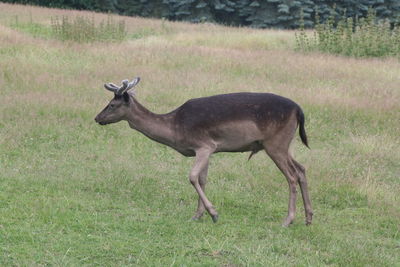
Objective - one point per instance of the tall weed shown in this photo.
(365, 37)
(83, 29)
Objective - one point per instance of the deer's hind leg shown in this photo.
(280, 155)
(304, 191)
(278, 150)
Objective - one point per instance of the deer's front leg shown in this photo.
(200, 167)
(200, 206)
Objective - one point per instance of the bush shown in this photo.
(365, 37)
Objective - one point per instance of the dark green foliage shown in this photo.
(253, 13)
(102, 5)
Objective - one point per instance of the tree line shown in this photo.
(286, 14)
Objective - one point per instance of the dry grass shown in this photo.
(239, 50)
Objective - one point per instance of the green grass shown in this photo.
(35, 29)
(73, 193)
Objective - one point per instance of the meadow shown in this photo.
(73, 193)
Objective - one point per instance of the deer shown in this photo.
(233, 122)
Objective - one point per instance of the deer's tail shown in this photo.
(302, 131)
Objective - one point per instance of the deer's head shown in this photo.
(118, 107)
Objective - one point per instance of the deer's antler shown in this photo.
(120, 90)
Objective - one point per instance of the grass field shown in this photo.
(73, 193)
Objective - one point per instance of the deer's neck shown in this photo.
(158, 127)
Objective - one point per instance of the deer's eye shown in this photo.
(112, 106)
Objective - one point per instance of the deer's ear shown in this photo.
(134, 82)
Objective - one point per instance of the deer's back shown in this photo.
(260, 108)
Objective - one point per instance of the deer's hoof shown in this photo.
(196, 218)
(309, 218)
(214, 218)
(288, 221)
(197, 215)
